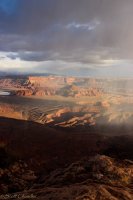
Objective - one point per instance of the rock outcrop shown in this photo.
(51, 85)
(95, 178)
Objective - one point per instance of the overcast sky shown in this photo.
(69, 37)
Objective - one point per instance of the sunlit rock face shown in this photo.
(52, 85)
(84, 101)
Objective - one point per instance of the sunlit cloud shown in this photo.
(85, 26)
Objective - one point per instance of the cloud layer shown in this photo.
(70, 37)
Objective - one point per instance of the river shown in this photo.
(4, 93)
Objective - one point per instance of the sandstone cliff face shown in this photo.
(76, 91)
(71, 86)
(63, 86)
(45, 92)
(50, 81)
(51, 85)
(66, 116)
(13, 83)
(24, 92)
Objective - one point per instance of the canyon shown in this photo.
(62, 138)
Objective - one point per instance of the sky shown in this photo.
(67, 37)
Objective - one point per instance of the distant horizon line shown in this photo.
(11, 74)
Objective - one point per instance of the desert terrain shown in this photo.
(67, 101)
(66, 138)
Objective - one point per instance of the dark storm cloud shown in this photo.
(31, 56)
(84, 31)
